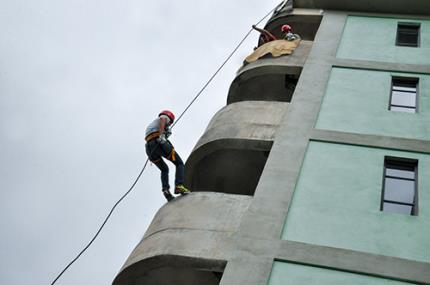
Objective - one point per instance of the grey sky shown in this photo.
(79, 81)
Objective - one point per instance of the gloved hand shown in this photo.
(162, 139)
(168, 132)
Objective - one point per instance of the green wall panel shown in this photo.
(287, 273)
(372, 38)
(356, 101)
(337, 198)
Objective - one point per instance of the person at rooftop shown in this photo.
(286, 32)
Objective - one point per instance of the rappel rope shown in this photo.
(147, 160)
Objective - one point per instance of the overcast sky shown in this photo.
(79, 82)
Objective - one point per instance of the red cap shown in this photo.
(286, 28)
(168, 114)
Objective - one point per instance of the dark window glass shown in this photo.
(399, 193)
(404, 94)
(408, 34)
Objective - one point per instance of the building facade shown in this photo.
(318, 169)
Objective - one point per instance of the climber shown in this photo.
(288, 33)
(158, 146)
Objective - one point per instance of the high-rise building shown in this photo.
(318, 169)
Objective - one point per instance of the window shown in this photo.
(403, 94)
(399, 192)
(408, 34)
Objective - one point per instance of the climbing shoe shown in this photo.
(168, 195)
(180, 189)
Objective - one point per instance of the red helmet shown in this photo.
(168, 114)
(286, 28)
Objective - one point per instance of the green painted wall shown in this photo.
(295, 274)
(357, 101)
(371, 38)
(337, 198)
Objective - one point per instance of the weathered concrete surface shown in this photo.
(232, 152)
(355, 261)
(313, 275)
(386, 66)
(196, 227)
(282, 170)
(416, 7)
(269, 79)
(266, 215)
(256, 271)
(254, 258)
(256, 120)
(201, 210)
(386, 142)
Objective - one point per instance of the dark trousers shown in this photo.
(156, 151)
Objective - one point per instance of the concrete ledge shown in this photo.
(201, 210)
(414, 7)
(196, 227)
(394, 268)
(383, 66)
(232, 152)
(197, 243)
(355, 262)
(395, 143)
(256, 120)
(266, 78)
(247, 271)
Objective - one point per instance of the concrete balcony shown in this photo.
(231, 154)
(417, 7)
(268, 78)
(304, 22)
(187, 243)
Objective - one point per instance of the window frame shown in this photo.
(400, 161)
(416, 81)
(410, 24)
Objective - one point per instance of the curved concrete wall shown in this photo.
(192, 232)
(269, 79)
(232, 152)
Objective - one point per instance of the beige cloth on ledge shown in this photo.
(276, 48)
